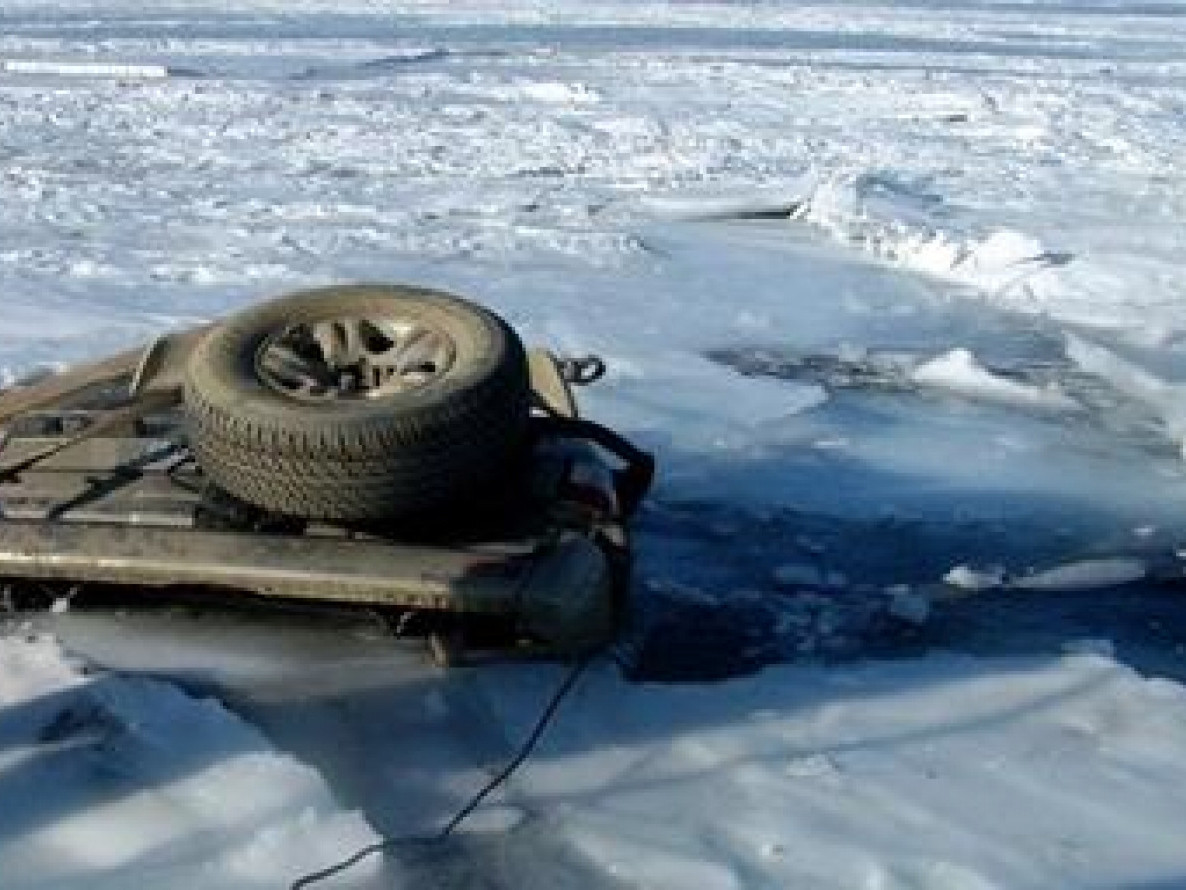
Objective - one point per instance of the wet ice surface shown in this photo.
(893, 291)
(123, 779)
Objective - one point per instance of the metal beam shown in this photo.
(337, 570)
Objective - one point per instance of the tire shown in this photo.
(401, 454)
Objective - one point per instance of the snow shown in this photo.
(82, 69)
(893, 290)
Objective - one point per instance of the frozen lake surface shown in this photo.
(894, 291)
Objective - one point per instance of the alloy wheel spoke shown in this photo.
(355, 357)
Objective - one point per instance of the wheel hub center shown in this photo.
(354, 358)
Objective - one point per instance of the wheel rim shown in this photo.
(354, 358)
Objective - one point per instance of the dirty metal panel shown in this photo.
(548, 385)
(112, 511)
(54, 389)
(149, 370)
(90, 455)
(74, 497)
(162, 364)
(325, 569)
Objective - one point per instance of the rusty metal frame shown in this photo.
(155, 368)
(295, 567)
(101, 505)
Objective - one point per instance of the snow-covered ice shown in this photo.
(894, 291)
(118, 780)
(942, 772)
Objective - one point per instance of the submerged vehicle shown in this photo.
(379, 446)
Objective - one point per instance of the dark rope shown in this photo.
(525, 751)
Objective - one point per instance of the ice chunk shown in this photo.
(960, 372)
(966, 578)
(1166, 399)
(548, 91)
(1087, 574)
(772, 200)
(84, 69)
(899, 221)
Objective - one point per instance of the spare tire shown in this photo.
(357, 403)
